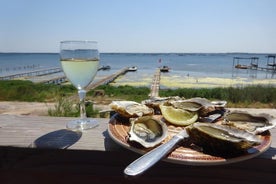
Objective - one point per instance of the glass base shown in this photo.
(82, 124)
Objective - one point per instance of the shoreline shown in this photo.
(196, 82)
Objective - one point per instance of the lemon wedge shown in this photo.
(178, 116)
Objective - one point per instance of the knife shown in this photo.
(149, 159)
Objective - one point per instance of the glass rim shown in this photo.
(78, 41)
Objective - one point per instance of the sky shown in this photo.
(147, 26)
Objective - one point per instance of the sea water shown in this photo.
(218, 65)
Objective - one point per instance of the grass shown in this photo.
(17, 90)
(250, 96)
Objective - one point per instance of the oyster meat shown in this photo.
(130, 109)
(255, 124)
(221, 139)
(147, 131)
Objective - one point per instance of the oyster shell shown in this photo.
(221, 139)
(202, 105)
(130, 109)
(255, 124)
(156, 101)
(147, 131)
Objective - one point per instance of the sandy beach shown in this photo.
(195, 82)
(212, 82)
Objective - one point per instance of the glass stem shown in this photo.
(82, 94)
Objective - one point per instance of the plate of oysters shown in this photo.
(216, 135)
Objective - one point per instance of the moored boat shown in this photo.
(132, 69)
(164, 69)
(239, 66)
(107, 67)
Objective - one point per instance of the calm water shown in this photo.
(195, 65)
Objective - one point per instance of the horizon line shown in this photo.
(146, 52)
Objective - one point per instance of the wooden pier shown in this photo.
(154, 90)
(107, 79)
(254, 63)
(50, 79)
(45, 71)
(44, 76)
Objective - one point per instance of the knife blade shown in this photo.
(149, 159)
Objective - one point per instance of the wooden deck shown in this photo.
(93, 157)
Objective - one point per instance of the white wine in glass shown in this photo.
(80, 63)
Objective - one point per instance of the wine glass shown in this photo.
(80, 62)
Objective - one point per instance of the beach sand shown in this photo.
(211, 82)
(174, 82)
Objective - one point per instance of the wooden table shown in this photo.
(95, 158)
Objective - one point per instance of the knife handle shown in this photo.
(149, 159)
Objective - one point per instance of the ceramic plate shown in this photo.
(118, 130)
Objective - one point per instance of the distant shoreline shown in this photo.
(187, 70)
(154, 53)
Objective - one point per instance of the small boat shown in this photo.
(164, 69)
(107, 67)
(239, 66)
(132, 69)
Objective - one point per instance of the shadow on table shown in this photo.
(60, 139)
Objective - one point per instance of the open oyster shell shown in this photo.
(147, 131)
(156, 101)
(202, 105)
(253, 123)
(221, 139)
(130, 109)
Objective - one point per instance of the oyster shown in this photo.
(255, 124)
(156, 101)
(130, 109)
(221, 139)
(202, 105)
(147, 131)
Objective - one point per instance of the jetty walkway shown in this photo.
(108, 79)
(154, 90)
(56, 76)
(40, 72)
